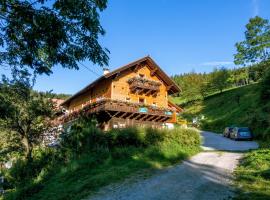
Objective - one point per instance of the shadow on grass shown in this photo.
(86, 175)
(190, 180)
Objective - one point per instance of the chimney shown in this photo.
(106, 71)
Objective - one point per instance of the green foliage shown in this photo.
(10, 145)
(219, 79)
(240, 106)
(41, 34)
(24, 112)
(253, 176)
(101, 164)
(128, 137)
(57, 96)
(196, 86)
(255, 48)
(265, 88)
(191, 84)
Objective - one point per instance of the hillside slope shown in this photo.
(239, 106)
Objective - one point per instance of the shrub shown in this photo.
(103, 158)
(258, 122)
(131, 136)
(265, 88)
(154, 136)
(83, 137)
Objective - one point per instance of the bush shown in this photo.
(83, 137)
(265, 88)
(131, 136)
(93, 158)
(154, 136)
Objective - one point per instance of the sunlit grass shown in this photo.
(82, 176)
(253, 176)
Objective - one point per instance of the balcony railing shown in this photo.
(116, 106)
(143, 85)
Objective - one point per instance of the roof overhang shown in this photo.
(172, 87)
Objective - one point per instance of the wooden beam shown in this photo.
(141, 91)
(137, 67)
(137, 117)
(163, 119)
(127, 113)
(153, 71)
(138, 90)
(144, 117)
(169, 87)
(132, 114)
(152, 117)
(166, 118)
(157, 119)
(148, 117)
(116, 113)
(109, 113)
(148, 92)
(121, 116)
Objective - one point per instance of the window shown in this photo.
(141, 100)
(154, 104)
(128, 99)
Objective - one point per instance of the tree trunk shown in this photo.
(28, 148)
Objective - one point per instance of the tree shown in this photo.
(219, 78)
(10, 145)
(41, 34)
(190, 84)
(265, 89)
(256, 47)
(24, 112)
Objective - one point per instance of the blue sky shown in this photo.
(180, 35)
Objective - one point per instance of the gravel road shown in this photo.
(205, 176)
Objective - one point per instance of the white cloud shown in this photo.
(255, 4)
(217, 63)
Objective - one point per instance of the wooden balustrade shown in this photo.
(142, 85)
(114, 107)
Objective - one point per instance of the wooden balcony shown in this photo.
(107, 109)
(142, 85)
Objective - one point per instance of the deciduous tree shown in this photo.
(41, 34)
(220, 78)
(256, 46)
(24, 112)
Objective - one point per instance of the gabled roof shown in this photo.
(171, 104)
(173, 87)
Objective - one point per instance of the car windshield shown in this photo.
(243, 129)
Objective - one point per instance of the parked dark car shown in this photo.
(227, 131)
(241, 133)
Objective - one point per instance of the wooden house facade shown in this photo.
(135, 94)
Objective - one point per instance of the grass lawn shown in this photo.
(221, 110)
(253, 176)
(83, 176)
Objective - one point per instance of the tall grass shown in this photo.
(240, 107)
(90, 159)
(253, 176)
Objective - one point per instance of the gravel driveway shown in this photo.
(205, 176)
